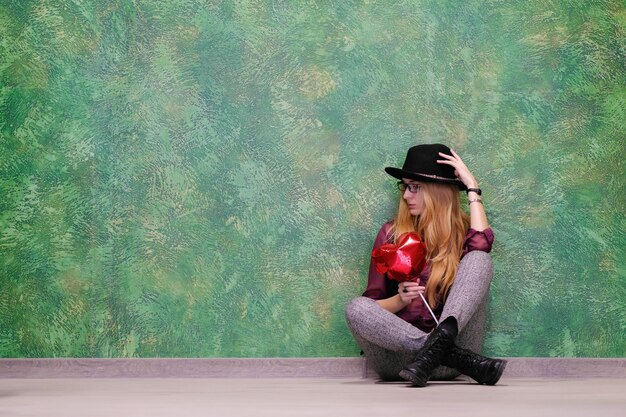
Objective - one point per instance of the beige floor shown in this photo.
(341, 397)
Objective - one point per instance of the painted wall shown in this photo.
(186, 178)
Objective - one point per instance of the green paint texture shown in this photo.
(187, 178)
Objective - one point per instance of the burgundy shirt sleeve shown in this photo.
(376, 286)
(476, 240)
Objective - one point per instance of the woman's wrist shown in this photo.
(402, 302)
(472, 185)
(473, 190)
(474, 194)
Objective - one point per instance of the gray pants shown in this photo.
(390, 343)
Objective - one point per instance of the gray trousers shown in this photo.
(390, 343)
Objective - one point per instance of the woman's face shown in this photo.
(415, 200)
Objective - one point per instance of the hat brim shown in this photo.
(399, 174)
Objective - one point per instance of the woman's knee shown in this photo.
(478, 256)
(478, 260)
(358, 308)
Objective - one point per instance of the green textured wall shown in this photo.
(193, 178)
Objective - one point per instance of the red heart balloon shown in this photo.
(403, 261)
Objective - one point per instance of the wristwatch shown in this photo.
(476, 190)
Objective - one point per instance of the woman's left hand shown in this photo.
(460, 169)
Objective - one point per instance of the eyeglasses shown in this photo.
(413, 188)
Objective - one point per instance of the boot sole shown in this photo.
(413, 378)
(496, 377)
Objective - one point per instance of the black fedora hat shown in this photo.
(421, 165)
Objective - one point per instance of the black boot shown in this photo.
(437, 346)
(481, 369)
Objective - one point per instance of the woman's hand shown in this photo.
(408, 291)
(397, 302)
(460, 169)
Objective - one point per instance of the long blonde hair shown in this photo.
(442, 226)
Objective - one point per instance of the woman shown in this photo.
(390, 321)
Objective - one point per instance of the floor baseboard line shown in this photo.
(277, 368)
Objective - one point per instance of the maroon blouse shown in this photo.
(380, 287)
